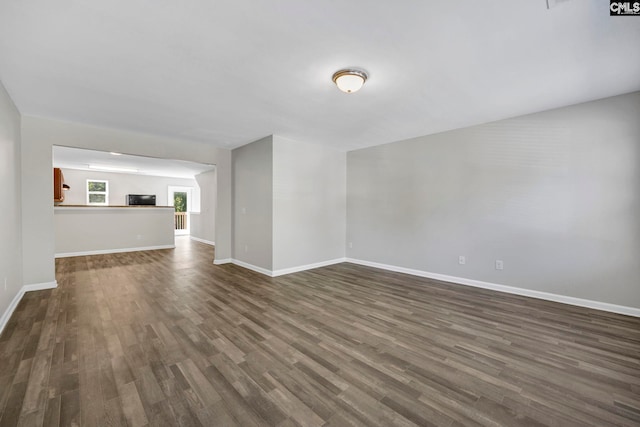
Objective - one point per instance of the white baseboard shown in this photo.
(4, 319)
(613, 308)
(113, 251)
(281, 272)
(290, 270)
(208, 242)
(40, 286)
(9, 311)
(252, 267)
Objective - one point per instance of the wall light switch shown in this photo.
(499, 264)
(462, 260)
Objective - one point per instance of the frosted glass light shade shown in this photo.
(349, 81)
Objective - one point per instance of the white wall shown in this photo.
(203, 224)
(253, 204)
(309, 203)
(555, 195)
(121, 184)
(10, 212)
(91, 230)
(38, 137)
(289, 204)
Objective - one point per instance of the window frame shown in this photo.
(106, 192)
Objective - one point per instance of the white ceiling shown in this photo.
(230, 72)
(76, 158)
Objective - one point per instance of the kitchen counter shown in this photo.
(90, 230)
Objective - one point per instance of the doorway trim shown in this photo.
(171, 190)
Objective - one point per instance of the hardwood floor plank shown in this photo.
(132, 406)
(113, 415)
(182, 413)
(70, 409)
(11, 412)
(150, 389)
(232, 399)
(167, 338)
(121, 371)
(258, 400)
(36, 393)
(294, 408)
(375, 412)
(198, 383)
(52, 412)
(91, 400)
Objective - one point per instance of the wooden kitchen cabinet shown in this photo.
(58, 182)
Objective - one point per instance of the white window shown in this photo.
(97, 192)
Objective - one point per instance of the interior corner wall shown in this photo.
(38, 137)
(252, 203)
(554, 195)
(10, 214)
(309, 204)
(203, 223)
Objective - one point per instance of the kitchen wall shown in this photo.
(10, 214)
(121, 184)
(554, 195)
(38, 137)
(83, 231)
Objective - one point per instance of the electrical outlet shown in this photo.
(499, 264)
(462, 260)
(139, 237)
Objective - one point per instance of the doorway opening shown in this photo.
(182, 199)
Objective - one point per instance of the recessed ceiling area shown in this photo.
(76, 158)
(228, 73)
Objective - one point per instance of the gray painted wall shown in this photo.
(252, 203)
(121, 184)
(38, 137)
(555, 195)
(94, 229)
(309, 203)
(10, 194)
(203, 224)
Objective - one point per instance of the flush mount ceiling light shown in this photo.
(349, 80)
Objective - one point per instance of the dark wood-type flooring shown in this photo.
(166, 338)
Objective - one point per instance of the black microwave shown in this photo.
(141, 199)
